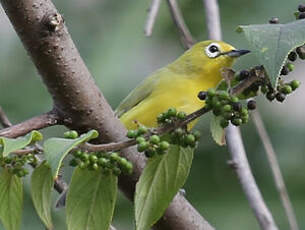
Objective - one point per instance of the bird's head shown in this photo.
(209, 57)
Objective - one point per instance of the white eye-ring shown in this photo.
(212, 50)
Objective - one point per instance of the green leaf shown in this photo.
(160, 181)
(11, 200)
(55, 149)
(218, 133)
(41, 191)
(91, 199)
(271, 43)
(10, 145)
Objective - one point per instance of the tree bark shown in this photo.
(77, 100)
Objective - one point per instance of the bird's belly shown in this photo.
(147, 111)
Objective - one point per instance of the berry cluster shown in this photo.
(16, 163)
(106, 162)
(149, 145)
(170, 116)
(227, 106)
(184, 138)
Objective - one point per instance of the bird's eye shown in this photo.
(212, 50)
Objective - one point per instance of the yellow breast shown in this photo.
(175, 91)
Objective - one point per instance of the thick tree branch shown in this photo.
(4, 119)
(77, 100)
(275, 168)
(185, 35)
(35, 123)
(151, 17)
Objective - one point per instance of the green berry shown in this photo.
(294, 84)
(227, 108)
(244, 112)
(211, 92)
(171, 112)
(181, 115)
(114, 157)
(197, 135)
(234, 99)
(224, 123)
(245, 120)
(142, 146)
(82, 165)
(73, 134)
(179, 132)
(131, 134)
(264, 89)
(190, 139)
(95, 166)
(77, 153)
(129, 167)
(154, 139)
(237, 121)
(290, 66)
(93, 158)
(164, 145)
(142, 129)
(140, 139)
(160, 118)
(103, 162)
(84, 156)
(286, 89)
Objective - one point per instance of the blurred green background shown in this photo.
(110, 38)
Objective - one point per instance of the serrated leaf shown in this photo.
(218, 133)
(10, 145)
(160, 181)
(271, 43)
(41, 191)
(55, 149)
(11, 200)
(91, 199)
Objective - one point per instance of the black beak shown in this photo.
(236, 53)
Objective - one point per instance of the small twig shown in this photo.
(212, 19)
(276, 172)
(243, 171)
(35, 123)
(186, 37)
(151, 17)
(4, 119)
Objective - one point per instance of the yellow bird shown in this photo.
(178, 84)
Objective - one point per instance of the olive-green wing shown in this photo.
(142, 91)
